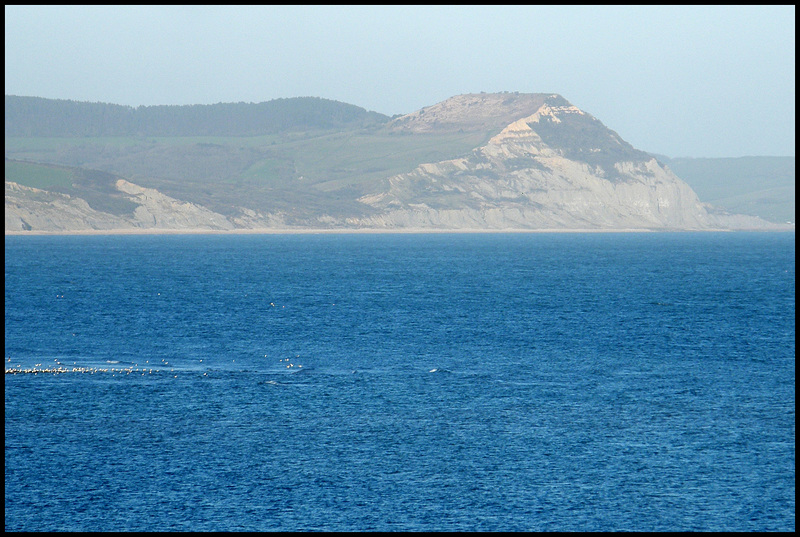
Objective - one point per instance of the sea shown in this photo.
(400, 382)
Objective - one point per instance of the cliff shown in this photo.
(557, 168)
(539, 163)
(33, 209)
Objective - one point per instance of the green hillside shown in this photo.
(96, 187)
(38, 117)
(759, 186)
(278, 155)
(308, 169)
(42, 176)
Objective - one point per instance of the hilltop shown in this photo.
(503, 161)
(38, 117)
(472, 112)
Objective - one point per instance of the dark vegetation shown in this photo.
(38, 117)
(97, 188)
(585, 139)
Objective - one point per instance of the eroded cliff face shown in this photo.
(548, 166)
(32, 209)
(585, 178)
(473, 112)
(156, 210)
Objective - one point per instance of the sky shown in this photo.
(679, 81)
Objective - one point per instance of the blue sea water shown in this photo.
(427, 382)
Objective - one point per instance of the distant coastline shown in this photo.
(351, 231)
(312, 231)
(473, 163)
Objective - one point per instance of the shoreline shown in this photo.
(372, 231)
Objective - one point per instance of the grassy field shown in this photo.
(38, 175)
(358, 160)
(308, 168)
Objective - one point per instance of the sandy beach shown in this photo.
(304, 231)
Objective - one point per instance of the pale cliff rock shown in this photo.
(29, 208)
(158, 211)
(39, 210)
(471, 112)
(518, 181)
(250, 219)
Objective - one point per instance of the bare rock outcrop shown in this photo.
(555, 168)
(159, 211)
(471, 112)
(29, 209)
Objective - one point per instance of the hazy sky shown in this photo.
(708, 81)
